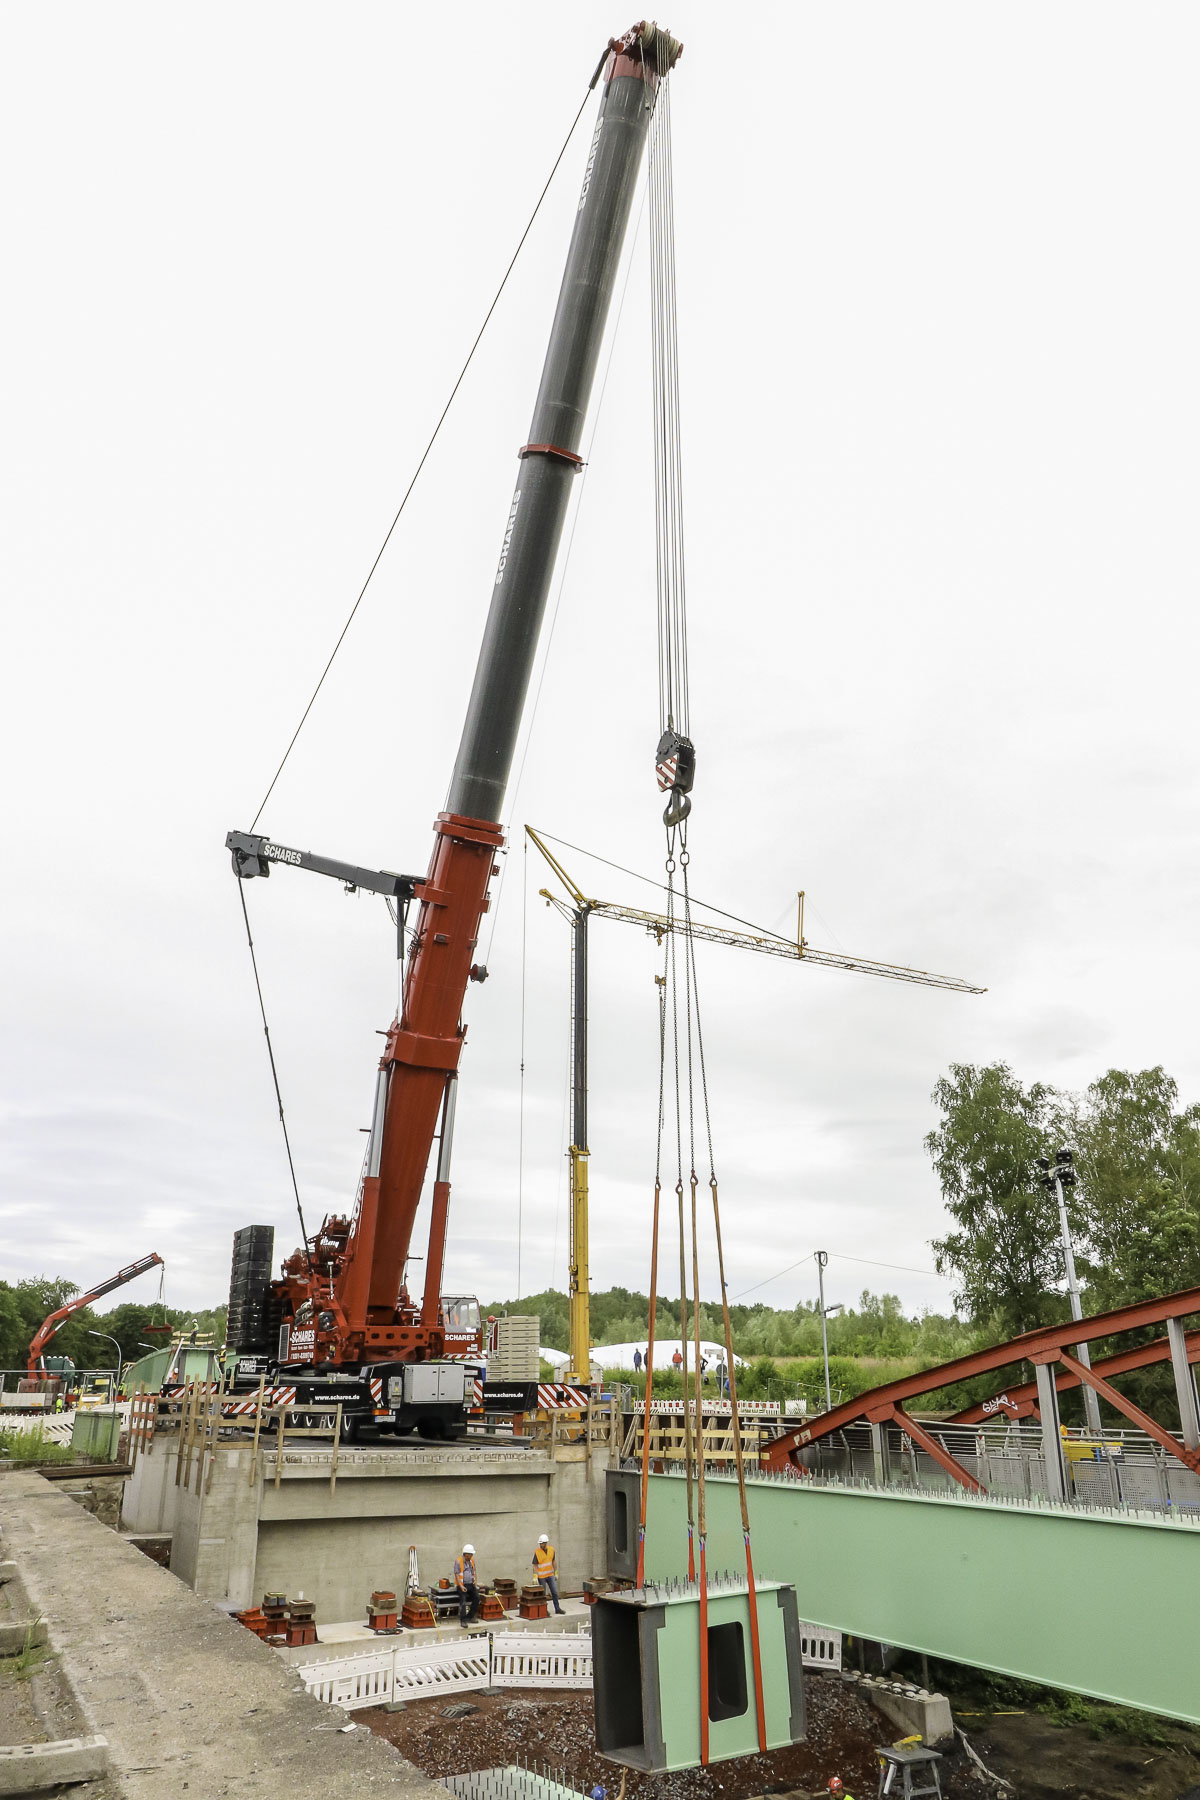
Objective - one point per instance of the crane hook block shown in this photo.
(675, 767)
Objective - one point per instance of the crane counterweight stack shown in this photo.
(343, 1301)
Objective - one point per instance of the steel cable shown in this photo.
(428, 447)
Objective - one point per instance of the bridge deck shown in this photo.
(1099, 1602)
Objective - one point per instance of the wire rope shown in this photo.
(689, 1065)
(425, 453)
(287, 1142)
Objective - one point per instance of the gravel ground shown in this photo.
(555, 1729)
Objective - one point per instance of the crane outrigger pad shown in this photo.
(646, 1673)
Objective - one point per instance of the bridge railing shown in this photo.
(1124, 1468)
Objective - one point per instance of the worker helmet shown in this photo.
(543, 1539)
(468, 1549)
(835, 1786)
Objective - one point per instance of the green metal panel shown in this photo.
(196, 1362)
(96, 1434)
(646, 1673)
(1100, 1602)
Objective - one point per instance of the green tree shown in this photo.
(1139, 1192)
(1005, 1253)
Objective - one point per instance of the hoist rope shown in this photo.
(661, 982)
(287, 1142)
(688, 1058)
(668, 476)
(425, 453)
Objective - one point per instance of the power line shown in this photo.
(867, 1261)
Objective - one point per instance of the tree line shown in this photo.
(24, 1304)
(1134, 1216)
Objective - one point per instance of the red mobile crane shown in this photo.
(349, 1330)
(53, 1322)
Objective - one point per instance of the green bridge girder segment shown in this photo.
(1100, 1602)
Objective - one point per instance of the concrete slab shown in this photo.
(31, 1768)
(193, 1706)
(15, 1634)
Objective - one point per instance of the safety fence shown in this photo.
(517, 1659)
(671, 1426)
(512, 1659)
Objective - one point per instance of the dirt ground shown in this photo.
(1046, 1761)
(1041, 1760)
(556, 1729)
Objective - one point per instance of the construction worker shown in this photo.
(637, 1362)
(467, 1583)
(546, 1569)
(677, 1359)
(838, 1791)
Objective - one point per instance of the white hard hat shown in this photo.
(543, 1539)
(468, 1549)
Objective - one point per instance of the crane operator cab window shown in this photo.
(460, 1313)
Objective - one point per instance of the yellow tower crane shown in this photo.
(577, 909)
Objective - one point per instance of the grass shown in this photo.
(29, 1658)
(32, 1446)
(1099, 1718)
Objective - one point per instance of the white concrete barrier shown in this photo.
(820, 1649)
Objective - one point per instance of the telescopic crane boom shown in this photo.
(53, 1322)
(346, 1295)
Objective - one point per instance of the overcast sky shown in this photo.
(938, 287)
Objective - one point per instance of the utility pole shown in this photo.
(1062, 1175)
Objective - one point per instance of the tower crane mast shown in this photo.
(577, 908)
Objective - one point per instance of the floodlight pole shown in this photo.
(822, 1257)
(1064, 1176)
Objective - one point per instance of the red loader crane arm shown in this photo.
(345, 1292)
(54, 1321)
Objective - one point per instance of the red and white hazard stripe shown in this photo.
(554, 1395)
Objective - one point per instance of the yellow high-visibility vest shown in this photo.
(543, 1560)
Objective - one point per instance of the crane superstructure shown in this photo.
(54, 1322)
(342, 1306)
(577, 908)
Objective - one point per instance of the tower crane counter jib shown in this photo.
(343, 1304)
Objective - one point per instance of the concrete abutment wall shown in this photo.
(238, 1537)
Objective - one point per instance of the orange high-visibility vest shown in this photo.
(464, 1566)
(543, 1560)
